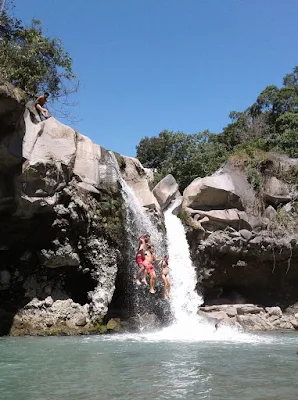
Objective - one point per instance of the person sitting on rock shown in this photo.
(144, 241)
(39, 103)
(164, 266)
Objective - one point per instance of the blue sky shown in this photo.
(149, 65)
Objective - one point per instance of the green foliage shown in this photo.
(184, 156)
(98, 327)
(32, 61)
(110, 216)
(269, 124)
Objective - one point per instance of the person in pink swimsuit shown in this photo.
(149, 258)
(140, 258)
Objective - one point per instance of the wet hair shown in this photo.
(46, 94)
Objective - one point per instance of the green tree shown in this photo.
(186, 156)
(34, 62)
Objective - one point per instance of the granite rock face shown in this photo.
(166, 190)
(243, 241)
(62, 226)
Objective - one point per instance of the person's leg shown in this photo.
(164, 279)
(144, 280)
(152, 281)
(140, 270)
(168, 286)
(42, 110)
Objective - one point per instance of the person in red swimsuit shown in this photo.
(140, 258)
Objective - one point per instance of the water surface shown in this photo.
(138, 367)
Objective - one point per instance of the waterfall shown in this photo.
(184, 299)
(138, 221)
(187, 324)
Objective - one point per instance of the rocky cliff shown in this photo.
(243, 235)
(63, 258)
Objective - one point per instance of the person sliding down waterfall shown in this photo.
(144, 241)
(164, 266)
(149, 258)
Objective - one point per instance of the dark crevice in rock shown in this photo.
(77, 285)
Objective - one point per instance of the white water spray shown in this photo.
(184, 299)
(188, 325)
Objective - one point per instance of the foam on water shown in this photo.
(188, 325)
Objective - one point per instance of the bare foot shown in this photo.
(152, 291)
(138, 282)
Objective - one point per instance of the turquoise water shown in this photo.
(137, 367)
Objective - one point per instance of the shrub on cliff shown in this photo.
(33, 62)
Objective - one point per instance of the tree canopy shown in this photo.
(33, 62)
(269, 124)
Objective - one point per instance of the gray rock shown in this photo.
(231, 312)
(217, 191)
(166, 190)
(274, 311)
(48, 302)
(136, 177)
(220, 219)
(5, 277)
(276, 191)
(63, 255)
(80, 320)
(246, 234)
(270, 212)
(248, 309)
(294, 322)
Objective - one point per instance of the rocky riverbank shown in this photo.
(251, 317)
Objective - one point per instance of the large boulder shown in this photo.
(94, 166)
(219, 219)
(136, 176)
(212, 192)
(49, 141)
(276, 192)
(166, 190)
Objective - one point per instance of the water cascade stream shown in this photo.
(137, 221)
(187, 324)
(185, 301)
